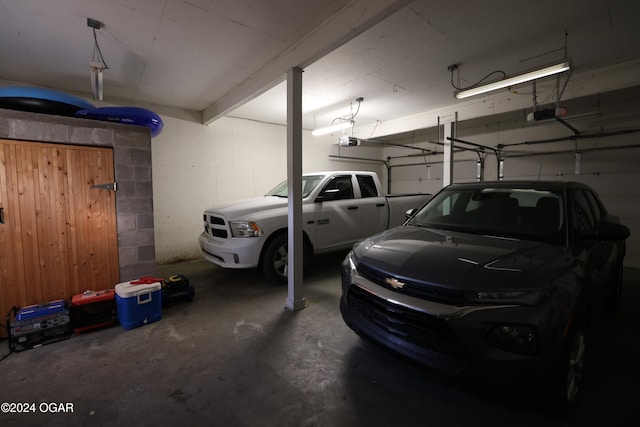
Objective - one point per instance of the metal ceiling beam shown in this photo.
(355, 17)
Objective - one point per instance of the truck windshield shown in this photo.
(309, 182)
(518, 213)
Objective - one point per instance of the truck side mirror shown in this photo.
(330, 194)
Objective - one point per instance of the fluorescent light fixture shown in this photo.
(96, 79)
(512, 81)
(96, 67)
(332, 128)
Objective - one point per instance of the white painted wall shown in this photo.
(196, 167)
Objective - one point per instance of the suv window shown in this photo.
(367, 186)
(584, 220)
(519, 213)
(596, 207)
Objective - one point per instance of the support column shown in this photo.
(295, 300)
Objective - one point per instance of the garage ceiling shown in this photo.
(230, 56)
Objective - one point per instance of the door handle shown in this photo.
(351, 208)
(379, 205)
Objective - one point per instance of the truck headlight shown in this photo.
(245, 229)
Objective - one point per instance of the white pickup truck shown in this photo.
(339, 208)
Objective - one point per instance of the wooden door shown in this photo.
(58, 235)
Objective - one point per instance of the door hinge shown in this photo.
(113, 186)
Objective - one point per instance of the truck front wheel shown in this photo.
(275, 260)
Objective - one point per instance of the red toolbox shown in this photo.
(93, 309)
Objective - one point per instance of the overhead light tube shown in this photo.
(96, 69)
(332, 128)
(512, 81)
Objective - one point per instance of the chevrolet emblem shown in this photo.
(394, 283)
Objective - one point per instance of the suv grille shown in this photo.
(413, 288)
(410, 325)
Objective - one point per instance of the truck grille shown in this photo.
(410, 325)
(413, 288)
(215, 226)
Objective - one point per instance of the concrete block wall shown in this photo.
(132, 161)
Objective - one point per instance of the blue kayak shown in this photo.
(40, 100)
(126, 115)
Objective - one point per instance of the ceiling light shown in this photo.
(332, 128)
(96, 67)
(512, 81)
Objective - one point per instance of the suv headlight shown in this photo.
(245, 229)
(536, 297)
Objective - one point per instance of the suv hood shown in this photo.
(461, 261)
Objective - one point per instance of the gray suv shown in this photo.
(496, 280)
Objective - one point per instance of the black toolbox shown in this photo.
(177, 288)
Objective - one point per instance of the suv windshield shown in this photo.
(309, 182)
(506, 212)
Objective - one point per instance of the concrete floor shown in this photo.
(235, 357)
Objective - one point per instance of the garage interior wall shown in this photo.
(196, 167)
(608, 159)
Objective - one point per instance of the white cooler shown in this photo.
(138, 302)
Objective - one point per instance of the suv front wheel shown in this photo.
(570, 374)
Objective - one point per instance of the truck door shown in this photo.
(337, 215)
(373, 207)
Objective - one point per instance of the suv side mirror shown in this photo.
(409, 213)
(611, 231)
(607, 231)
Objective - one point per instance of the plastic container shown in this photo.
(139, 302)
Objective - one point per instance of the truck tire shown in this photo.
(276, 257)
